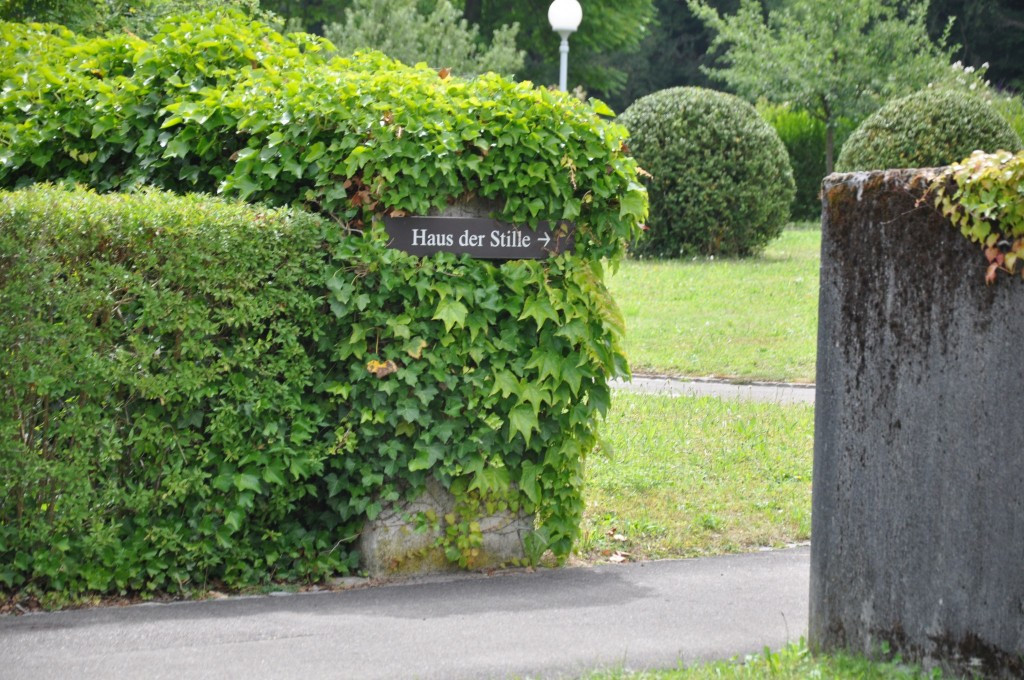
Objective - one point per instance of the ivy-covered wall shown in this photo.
(210, 392)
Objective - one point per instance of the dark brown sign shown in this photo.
(478, 237)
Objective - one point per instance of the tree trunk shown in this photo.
(830, 142)
(473, 11)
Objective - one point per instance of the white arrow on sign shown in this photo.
(546, 240)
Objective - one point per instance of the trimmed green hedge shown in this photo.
(930, 128)
(721, 181)
(163, 419)
(210, 392)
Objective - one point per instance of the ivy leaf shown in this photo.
(540, 310)
(571, 374)
(245, 481)
(171, 122)
(490, 479)
(222, 482)
(341, 288)
(274, 475)
(548, 363)
(408, 413)
(414, 348)
(452, 312)
(532, 395)
(523, 420)
(600, 398)
(600, 108)
(528, 481)
(425, 393)
(535, 544)
(233, 520)
(990, 274)
(505, 383)
(314, 153)
(338, 389)
(426, 457)
(634, 202)
(381, 369)
(299, 467)
(176, 148)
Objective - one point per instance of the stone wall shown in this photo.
(395, 543)
(918, 503)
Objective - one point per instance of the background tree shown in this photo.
(670, 55)
(74, 14)
(91, 17)
(441, 38)
(838, 59)
(310, 15)
(609, 29)
(989, 31)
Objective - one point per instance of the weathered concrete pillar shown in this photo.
(918, 502)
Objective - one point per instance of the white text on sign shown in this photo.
(482, 238)
(498, 239)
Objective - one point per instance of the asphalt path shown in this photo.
(551, 623)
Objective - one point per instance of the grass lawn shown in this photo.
(793, 662)
(754, 319)
(684, 476)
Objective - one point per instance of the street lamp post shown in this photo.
(565, 17)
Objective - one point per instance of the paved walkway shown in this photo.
(783, 393)
(516, 624)
(547, 624)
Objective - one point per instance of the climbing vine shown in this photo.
(983, 195)
(266, 381)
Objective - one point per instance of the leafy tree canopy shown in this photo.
(671, 53)
(839, 59)
(609, 29)
(990, 31)
(441, 38)
(311, 15)
(141, 17)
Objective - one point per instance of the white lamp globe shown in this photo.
(565, 16)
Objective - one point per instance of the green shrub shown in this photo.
(804, 139)
(196, 397)
(227, 105)
(927, 129)
(192, 359)
(721, 185)
(163, 419)
(1011, 107)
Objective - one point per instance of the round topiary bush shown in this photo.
(721, 181)
(926, 129)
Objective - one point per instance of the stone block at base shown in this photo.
(390, 545)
